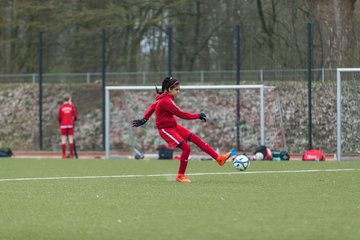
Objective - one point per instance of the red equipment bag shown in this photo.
(313, 155)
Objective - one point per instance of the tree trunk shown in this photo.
(334, 19)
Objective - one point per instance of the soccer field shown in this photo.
(139, 199)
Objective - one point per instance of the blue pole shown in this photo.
(309, 28)
(238, 91)
(40, 66)
(103, 79)
(169, 51)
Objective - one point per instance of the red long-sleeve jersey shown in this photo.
(166, 110)
(67, 115)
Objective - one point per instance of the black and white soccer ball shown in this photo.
(241, 162)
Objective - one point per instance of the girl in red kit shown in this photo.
(173, 133)
(67, 116)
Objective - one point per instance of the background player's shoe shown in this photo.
(182, 178)
(222, 158)
(63, 156)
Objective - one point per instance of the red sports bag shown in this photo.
(313, 155)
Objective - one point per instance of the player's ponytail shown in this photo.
(167, 83)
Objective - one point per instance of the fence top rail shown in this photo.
(194, 87)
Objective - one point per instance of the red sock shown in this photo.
(63, 148)
(203, 146)
(71, 147)
(184, 146)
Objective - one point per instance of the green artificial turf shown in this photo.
(139, 199)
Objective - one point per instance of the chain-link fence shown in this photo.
(192, 61)
(274, 76)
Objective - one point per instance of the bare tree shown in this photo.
(273, 34)
(335, 23)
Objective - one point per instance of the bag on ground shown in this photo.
(313, 155)
(6, 152)
(165, 152)
(263, 153)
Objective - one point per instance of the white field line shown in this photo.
(173, 175)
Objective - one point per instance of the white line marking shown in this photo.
(171, 175)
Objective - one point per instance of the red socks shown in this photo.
(203, 146)
(63, 148)
(71, 147)
(184, 146)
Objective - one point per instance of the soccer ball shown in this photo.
(241, 162)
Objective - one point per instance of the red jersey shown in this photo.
(166, 110)
(67, 115)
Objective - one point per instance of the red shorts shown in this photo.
(66, 131)
(174, 136)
